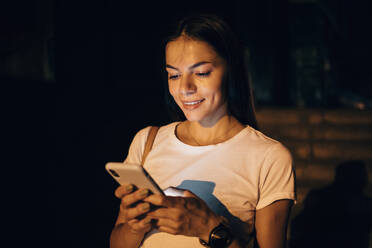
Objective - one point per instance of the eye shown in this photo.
(174, 77)
(203, 74)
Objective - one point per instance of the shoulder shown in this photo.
(137, 145)
(258, 136)
(169, 128)
(141, 136)
(275, 157)
(264, 144)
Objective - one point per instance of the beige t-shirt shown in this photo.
(243, 174)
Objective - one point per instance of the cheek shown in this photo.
(214, 88)
(172, 90)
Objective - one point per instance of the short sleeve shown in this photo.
(277, 177)
(137, 147)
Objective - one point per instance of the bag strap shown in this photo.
(149, 142)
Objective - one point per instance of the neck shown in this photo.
(225, 128)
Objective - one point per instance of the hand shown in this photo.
(133, 209)
(188, 215)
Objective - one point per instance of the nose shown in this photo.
(187, 85)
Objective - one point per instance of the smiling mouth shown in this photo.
(193, 102)
(191, 105)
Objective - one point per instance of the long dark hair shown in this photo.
(236, 87)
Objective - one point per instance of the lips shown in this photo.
(190, 105)
(192, 102)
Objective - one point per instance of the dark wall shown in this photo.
(109, 84)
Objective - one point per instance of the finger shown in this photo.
(140, 209)
(140, 225)
(168, 230)
(168, 223)
(157, 200)
(123, 190)
(165, 201)
(136, 196)
(166, 213)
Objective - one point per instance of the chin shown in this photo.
(192, 117)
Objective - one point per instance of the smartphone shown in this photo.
(132, 174)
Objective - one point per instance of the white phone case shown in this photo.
(132, 174)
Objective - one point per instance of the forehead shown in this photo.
(184, 51)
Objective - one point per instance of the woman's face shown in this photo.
(195, 75)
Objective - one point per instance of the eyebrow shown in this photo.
(191, 67)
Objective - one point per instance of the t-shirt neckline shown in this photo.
(226, 142)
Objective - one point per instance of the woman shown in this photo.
(239, 184)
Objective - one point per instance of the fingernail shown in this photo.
(144, 192)
(146, 206)
(129, 188)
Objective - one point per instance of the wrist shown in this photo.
(211, 223)
(220, 236)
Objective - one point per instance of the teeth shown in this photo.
(192, 103)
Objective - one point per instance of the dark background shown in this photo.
(80, 78)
